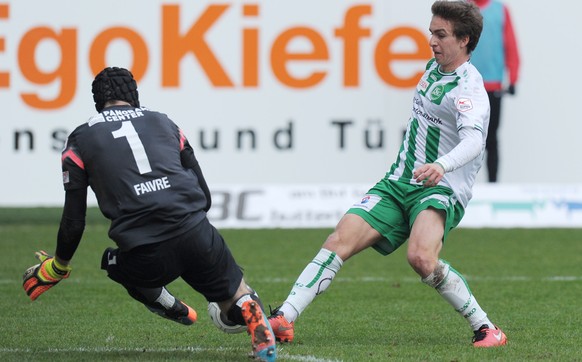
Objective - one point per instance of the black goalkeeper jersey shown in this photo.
(132, 158)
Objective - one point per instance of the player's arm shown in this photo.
(52, 269)
(189, 161)
(470, 147)
(72, 224)
(472, 116)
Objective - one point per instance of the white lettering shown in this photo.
(117, 115)
(152, 185)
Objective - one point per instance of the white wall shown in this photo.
(539, 134)
(541, 131)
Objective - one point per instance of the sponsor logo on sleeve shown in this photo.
(464, 104)
(423, 85)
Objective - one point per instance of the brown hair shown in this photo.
(465, 17)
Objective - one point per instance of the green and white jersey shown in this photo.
(443, 104)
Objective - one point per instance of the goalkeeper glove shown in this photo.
(41, 277)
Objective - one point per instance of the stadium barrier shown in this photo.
(313, 206)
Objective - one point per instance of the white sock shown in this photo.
(451, 285)
(166, 299)
(314, 280)
(243, 299)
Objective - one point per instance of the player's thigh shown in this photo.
(433, 213)
(427, 232)
(210, 267)
(147, 266)
(383, 210)
(351, 235)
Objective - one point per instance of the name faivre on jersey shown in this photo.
(151, 186)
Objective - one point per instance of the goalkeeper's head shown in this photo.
(114, 84)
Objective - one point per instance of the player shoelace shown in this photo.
(481, 333)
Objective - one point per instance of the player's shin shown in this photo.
(314, 280)
(451, 285)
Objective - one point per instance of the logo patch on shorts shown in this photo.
(441, 199)
(367, 202)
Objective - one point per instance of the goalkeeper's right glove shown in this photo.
(41, 277)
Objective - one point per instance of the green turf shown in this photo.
(529, 281)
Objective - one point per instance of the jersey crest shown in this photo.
(434, 88)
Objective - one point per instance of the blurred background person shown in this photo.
(497, 59)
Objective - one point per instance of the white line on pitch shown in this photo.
(151, 350)
(509, 278)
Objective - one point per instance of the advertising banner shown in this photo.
(275, 95)
(266, 91)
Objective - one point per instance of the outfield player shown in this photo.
(425, 192)
(148, 182)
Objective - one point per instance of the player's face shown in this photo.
(449, 51)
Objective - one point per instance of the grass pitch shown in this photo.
(528, 280)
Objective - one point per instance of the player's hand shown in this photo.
(41, 277)
(511, 89)
(429, 174)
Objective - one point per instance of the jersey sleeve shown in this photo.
(73, 167)
(470, 147)
(472, 105)
(472, 108)
(188, 160)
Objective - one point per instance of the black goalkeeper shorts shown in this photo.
(200, 257)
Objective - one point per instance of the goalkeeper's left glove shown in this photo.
(41, 277)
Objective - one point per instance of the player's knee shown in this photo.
(438, 275)
(332, 240)
(423, 263)
(337, 243)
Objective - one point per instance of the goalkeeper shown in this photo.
(148, 182)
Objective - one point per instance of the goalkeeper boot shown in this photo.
(284, 330)
(263, 341)
(489, 337)
(180, 312)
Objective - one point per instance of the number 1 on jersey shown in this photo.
(141, 158)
